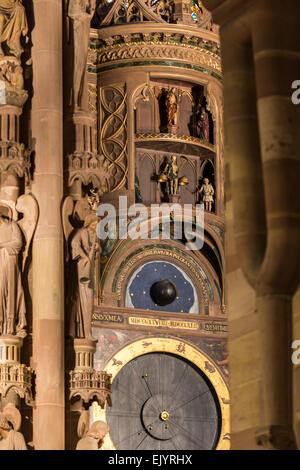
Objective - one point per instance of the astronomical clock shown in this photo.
(159, 315)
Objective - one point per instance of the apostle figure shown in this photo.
(10, 439)
(208, 192)
(203, 125)
(94, 437)
(12, 304)
(84, 249)
(13, 24)
(172, 107)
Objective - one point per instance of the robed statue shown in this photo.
(12, 304)
(14, 237)
(13, 24)
(203, 125)
(83, 248)
(172, 106)
(80, 12)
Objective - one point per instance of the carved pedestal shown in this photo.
(175, 198)
(14, 159)
(172, 129)
(14, 376)
(85, 382)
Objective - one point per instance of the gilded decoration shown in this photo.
(177, 138)
(178, 348)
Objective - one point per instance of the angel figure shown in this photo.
(83, 248)
(93, 439)
(12, 303)
(10, 422)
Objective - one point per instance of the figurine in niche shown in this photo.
(170, 175)
(10, 438)
(138, 195)
(93, 440)
(13, 24)
(207, 191)
(202, 126)
(12, 304)
(84, 247)
(172, 107)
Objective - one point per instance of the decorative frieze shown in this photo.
(192, 49)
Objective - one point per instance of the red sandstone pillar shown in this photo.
(48, 286)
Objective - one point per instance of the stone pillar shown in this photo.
(276, 55)
(260, 61)
(48, 285)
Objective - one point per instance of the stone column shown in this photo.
(276, 52)
(48, 285)
(260, 61)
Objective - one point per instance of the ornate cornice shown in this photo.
(121, 44)
(88, 168)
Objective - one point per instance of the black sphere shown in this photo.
(163, 292)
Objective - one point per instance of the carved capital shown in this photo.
(15, 159)
(14, 376)
(86, 383)
(12, 91)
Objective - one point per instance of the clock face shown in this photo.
(161, 286)
(163, 402)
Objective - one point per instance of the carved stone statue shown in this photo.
(203, 125)
(12, 237)
(172, 107)
(10, 438)
(80, 12)
(93, 439)
(208, 192)
(12, 304)
(171, 171)
(13, 24)
(84, 247)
